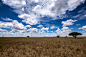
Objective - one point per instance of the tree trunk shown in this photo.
(75, 37)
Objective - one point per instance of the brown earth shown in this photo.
(42, 47)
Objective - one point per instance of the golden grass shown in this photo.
(42, 47)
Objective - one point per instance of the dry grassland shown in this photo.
(42, 47)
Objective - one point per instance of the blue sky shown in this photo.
(42, 18)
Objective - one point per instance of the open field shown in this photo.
(42, 47)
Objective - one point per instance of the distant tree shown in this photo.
(2, 36)
(58, 36)
(74, 34)
(65, 36)
(28, 36)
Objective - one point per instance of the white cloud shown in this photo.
(29, 19)
(85, 15)
(6, 25)
(41, 8)
(66, 29)
(45, 29)
(33, 30)
(52, 27)
(22, 9)
(18, 26)
(40, 26)
(14, 25)
(68, 22)
(51, 31)
(84, 28)
(7, 19)
(61, 6)
(72, 4)
(59, 31)
(2, 30)
(42, 32)
(28, 26)
(15, 3)
(36, 1)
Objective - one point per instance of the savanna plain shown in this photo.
(42, 47)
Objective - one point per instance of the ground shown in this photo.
(42, 47)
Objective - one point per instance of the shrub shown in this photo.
(58, 36)
(65, 36)
(28, 36)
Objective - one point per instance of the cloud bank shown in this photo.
(33, 10)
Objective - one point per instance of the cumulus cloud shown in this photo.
(15, 3)
(6, 24)
(14, 25)
(29, 19)
(53, 27)
(45, 29)
(66, 29)
(59, 31)
(68, 22)
(7, 19)
(85, 15)
(72, 4)
(28, 26)
(18, 26)
(33, 30)
(42, 32)
(41, 8)
(43, 11)
(61, 6)
(84, 28)
(40, 26)
(1, 30)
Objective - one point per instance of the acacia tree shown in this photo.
(74, 34)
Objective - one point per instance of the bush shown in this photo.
(65, 36)
(28, 36)
(58, 36)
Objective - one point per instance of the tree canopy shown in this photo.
(75, 34)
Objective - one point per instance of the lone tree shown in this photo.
(65, 36)
(75, 34)
(58, 36)
(28, 36)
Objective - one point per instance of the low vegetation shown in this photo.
(28, 36)
(43, 47)
(58, 36)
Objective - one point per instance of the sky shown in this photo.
(42, 18)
